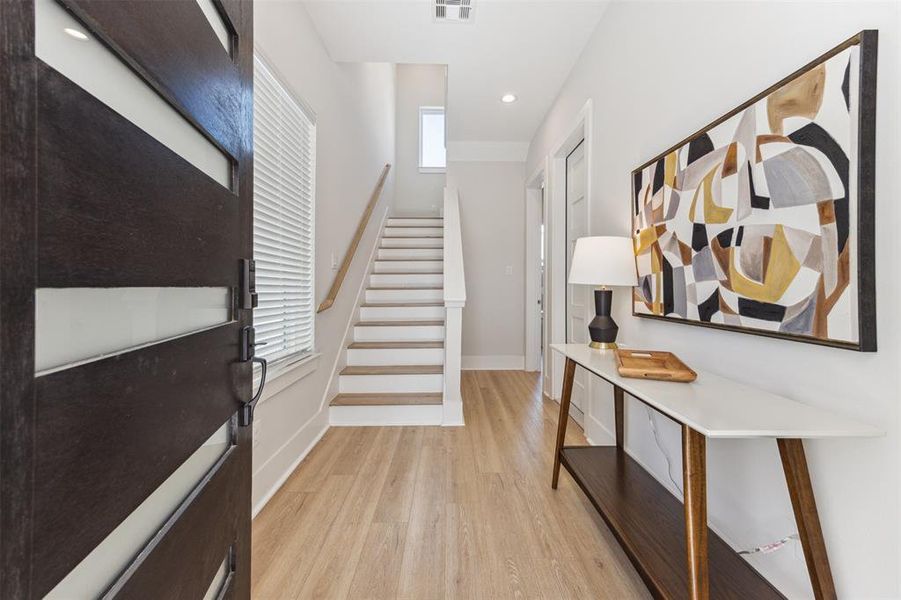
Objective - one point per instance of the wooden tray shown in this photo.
(652, 364)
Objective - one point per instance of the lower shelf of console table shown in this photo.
(648, 521)
(669, 541)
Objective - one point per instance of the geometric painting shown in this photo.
(763, 222)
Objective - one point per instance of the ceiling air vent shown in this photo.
(453, 11)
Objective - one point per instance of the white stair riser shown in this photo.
(413, 241)
(395, 221)
(378, 357)
(361, 384)
(434, 253)
(399, 333)
(408, 266)
(402, 313)
(411, 295)
(384, 416)
(407, 279)
(413, 231)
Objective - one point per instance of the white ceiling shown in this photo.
(525, 47)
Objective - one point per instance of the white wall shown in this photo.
(492, 213)
(354, 105)
(656, 73)
(417, 85)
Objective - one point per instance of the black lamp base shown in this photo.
(603, 328)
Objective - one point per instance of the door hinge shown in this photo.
(247, 296)
(248, 353)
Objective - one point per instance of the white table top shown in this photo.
(721, 408)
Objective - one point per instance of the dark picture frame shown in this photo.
(865, 160)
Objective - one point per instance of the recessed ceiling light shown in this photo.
(508, 98)
(78, 35)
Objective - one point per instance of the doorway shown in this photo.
(576, 295)
(536, 271)
(568, 183)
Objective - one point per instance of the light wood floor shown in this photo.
(429, 512)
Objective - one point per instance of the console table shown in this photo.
(652, 526)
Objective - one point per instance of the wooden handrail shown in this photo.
(352, 249)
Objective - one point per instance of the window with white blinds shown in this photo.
(283, 208)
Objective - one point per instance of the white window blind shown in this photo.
(283, 206)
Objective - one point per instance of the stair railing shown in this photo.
(454, 301)
(352, 249)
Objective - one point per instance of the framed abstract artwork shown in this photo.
(763, 222)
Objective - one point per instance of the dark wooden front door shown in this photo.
(107, 224)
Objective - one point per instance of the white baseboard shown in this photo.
(495, 362)
(305, 438)
(452, 414)
(362, 416)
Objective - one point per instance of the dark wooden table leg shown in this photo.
(694, 477)
(569, 374)
(618, 410)
(794, 464)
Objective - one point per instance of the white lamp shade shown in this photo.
(603, 260)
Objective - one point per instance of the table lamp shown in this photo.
(603, 261)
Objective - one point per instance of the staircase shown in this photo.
(395, 363)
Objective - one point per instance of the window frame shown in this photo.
(432, 110)
(308, 357)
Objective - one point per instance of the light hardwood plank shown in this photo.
(396, 498)
(422, 570)
(290, 562)
(379, 567)
(442, 512)
(332, 574)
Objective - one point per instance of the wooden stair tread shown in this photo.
(412, 248)
(406, 287)
(429, 323)
(394, 370)
(411, 259)
(417, 217)
(410, 237)
(394, 345)
(401, 304)
(385, 399)
(408, 273)
(414, 226)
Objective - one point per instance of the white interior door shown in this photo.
(576, 295)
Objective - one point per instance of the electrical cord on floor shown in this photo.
(764, 549)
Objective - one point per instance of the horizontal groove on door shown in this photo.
(163, 571)
(78, 325)
(173, 225)
(172, 42)
(70, 47)
(220, 579)
(171, 396)
(103, 566)
(217, 23)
